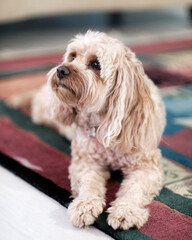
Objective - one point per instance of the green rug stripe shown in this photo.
(8, 74)
(48, 135)
(176, 156)
(168, 197)
(130, 234)
(175, 201)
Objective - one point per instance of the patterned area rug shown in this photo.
(41, 156)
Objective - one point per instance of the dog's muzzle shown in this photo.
(62, 71)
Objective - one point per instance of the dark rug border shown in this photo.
(41, 183)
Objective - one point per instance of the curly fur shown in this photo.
(126, 109)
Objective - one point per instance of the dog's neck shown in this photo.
(92, 131)
(89, 122)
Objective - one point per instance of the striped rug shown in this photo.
(41, 156)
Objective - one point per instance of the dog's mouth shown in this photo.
(67, 87)
(63, 85)
(59, 84)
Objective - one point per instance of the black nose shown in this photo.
(62, 71)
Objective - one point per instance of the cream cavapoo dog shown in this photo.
(117, 118)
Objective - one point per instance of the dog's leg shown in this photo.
(88, 186)
(137, 190)
(21, 100)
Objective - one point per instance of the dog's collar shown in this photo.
(92, 131)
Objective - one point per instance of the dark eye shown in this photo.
(95, 64)
(73, 56)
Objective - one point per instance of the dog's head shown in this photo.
(100, 74)
(87, 74)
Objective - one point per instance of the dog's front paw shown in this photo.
(84, 211)
(124, 217)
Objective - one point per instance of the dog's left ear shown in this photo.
(129, 124)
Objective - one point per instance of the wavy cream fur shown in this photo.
(126, 109)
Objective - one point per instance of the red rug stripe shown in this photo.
(163, 46)
(26, 148)
(166, 223)
(16, 142)
(180, 141)
(30, 62)
(35, 61)
(19, 84)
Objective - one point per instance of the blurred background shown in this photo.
(31, 27)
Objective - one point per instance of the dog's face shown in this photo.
(87, 73)
(101, 75)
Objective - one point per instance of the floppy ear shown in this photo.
(129, 124)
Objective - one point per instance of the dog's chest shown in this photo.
(114, 160)
(88, 144)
